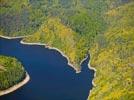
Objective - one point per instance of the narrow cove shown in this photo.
(51, 76)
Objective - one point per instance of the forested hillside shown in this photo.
(103, 27)
(11, 72)
(70, 26)
(112, 55)
(79, 18)
(26, 16)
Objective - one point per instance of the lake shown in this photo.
(51, 77)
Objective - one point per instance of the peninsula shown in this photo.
(12, 75)
(103, 28)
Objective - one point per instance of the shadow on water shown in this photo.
(51, 77)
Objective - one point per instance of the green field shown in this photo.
(11, 72)
(105, 28)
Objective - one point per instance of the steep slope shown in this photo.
(55, 34)
(71, 30)
(103, 27)
(113, 56)
(73, 24)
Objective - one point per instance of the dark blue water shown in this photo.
(51, 77)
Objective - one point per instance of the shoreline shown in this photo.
(43, 44)
(7, 37)
(15, 87)
(53, 48)
(92, 68)
(77, 71)
(69, 63)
